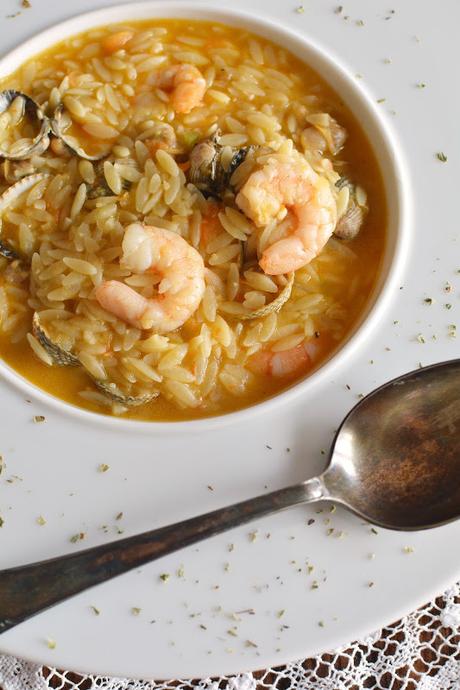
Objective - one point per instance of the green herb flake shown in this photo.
(51, 644)
(387, 61)
(2, 464)
(420, 85)
(280, 613)
(180, 571)
(135, 610)
(103, 467)
(119, 516)
(332, 509)
(448, 287)
(441, 157)
(253, 535)
(314, 585)
(233, 632)
(330, 531)
(373, 530)
(381, 100)
(250, 643)
(321, 624)
(164, 577)
(408, 549)
(370, 584)
(338, 9)
(428, 300)
(2, 521)
(77, 537)
(359, 22)
(95, 610)
(421, 339)
(448, 306)
(39, 419)
(310, 569)
(231, 547)
(41, 520)
(26, 4)
(300, 9)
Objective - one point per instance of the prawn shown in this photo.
(277, 188)
(186, 84)
(147, 249)
(286, 364)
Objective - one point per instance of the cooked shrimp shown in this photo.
(285, 364)
(114, 42)
(186, 84)
(167, 255)
(274, 190)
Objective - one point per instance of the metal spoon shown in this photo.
(395, 461)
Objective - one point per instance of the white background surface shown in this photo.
(159, 479)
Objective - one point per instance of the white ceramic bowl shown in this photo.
(360, 102)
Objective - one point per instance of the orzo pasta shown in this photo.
(191, 220)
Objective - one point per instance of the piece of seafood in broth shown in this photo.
(16, 109)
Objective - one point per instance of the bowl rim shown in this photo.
(325, 59)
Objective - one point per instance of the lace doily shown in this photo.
(419, 652)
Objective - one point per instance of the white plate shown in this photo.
(159, 478)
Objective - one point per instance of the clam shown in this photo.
(100, 187)
(60, 123)
(64, 358)
(28, 108)
(112, 391)
(61, 357)
(350, 222)
(10, 195)
(207, 172)
(8, 252)
(334, 134)
(273, 306)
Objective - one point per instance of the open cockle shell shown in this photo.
(7, 198)
(35, 114)
(112, 391)
(350, 222)
(59, 124)
(275, 305)
(61, 357)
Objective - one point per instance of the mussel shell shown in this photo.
(61, 357)
(8, 252)
(112, 391)
(33, 111)
(59, 129)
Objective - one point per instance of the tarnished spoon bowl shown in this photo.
(395, 461)
(396, 458)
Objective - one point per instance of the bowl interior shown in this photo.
(355, 97)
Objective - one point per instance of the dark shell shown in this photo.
(59, 356)
(100, 187)
(8, 252)
(33, 111)
(206, 170)
(112, 391)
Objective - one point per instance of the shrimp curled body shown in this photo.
(165, 254)
(186, 85)
(277, 188)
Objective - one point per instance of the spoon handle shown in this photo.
(29, 589)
